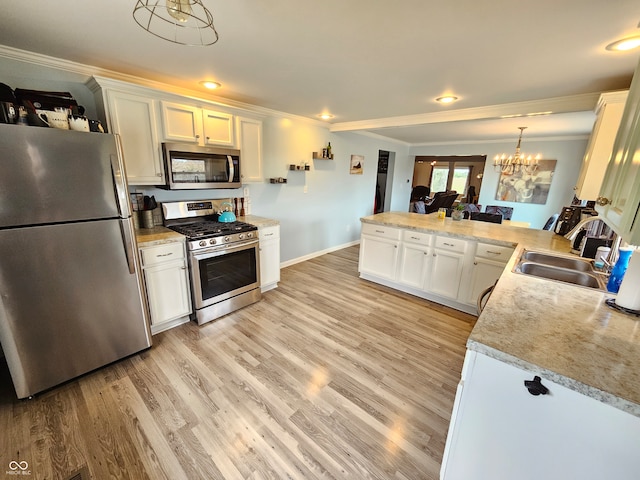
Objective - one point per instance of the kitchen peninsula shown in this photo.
(586, 353)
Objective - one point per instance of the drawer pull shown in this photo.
(164, 254)
(379, 231)
(535, 386)
(414, 238)
(449, 244)
(493, 253)
(268, 234)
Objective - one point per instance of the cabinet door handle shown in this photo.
(602, 201)
(197, 136)
(475, 263)
(535, 386)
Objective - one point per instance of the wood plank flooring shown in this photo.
(328, 377)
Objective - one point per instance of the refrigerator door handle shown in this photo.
(120, 181)
(128, 241)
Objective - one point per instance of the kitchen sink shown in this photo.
(577, 271)
(556, 261)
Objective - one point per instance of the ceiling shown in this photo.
(376, 66)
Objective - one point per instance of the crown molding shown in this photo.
(111, 75)
(574, 103)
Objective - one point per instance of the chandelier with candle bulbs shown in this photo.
(517, 162)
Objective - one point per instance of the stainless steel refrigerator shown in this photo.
(70, 295)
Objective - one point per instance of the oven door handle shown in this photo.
(222, 249)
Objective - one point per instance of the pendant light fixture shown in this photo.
(186, 22)
(518, 162)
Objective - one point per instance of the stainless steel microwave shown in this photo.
(190, 167)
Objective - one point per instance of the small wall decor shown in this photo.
(357, 162)
(524, 187)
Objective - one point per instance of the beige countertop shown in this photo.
(157, 235)
(564, 333)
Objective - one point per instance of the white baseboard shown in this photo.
(288, 263)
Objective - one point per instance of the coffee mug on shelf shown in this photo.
(78, 123)
(54, 119)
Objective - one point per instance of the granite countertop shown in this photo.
(259, 222)
(157, 235)
(564, 333)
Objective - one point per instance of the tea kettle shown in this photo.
(226, 216)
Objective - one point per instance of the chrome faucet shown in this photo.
(573, 233)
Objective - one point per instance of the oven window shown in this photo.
(228, 272)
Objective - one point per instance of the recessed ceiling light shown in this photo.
(625, 44)
(210, 84)
(446, 99)
(325, 116)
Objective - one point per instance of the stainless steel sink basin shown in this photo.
(577, 271)
(557, 261)
(560, 274)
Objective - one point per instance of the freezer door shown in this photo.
(51, 175)
(69, 302)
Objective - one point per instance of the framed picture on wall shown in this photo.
(356, 165)
(525, 187)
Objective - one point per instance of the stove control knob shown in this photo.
(212, 241)
(227, 239)
(202, 243)
(249, 234)
(240, 236)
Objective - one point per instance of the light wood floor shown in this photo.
(329, 376)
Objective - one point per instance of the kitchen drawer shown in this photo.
(494, 252)
(381, 231)
(162, 253)
(268, 233)
(451, 244)
(420, 238)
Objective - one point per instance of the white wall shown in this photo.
(567, 152)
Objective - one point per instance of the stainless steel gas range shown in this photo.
(224, 258)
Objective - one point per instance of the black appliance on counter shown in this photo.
(571, 216)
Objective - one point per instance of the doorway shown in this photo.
(384, 181)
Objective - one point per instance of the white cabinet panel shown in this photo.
(446, 273)
(189, 123)
(269, 257)
(249, 133)
(379, 255)
(167, 284)
(619, 199)
(415, 265)
(501, 431)
(133, 117)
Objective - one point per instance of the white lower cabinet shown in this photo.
(448, 263)
(269, 257)
(499, 430)
(167, 285)
(379, 251)
(415, 259)
(488, 265)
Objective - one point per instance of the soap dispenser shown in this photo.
(619, 269)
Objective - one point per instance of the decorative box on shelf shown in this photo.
(318, 156)
(302, 166)
(278, 180)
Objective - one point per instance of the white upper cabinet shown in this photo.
(249, 133)
(188, 123)
(619, 199)
(133, 117)
(609, 112)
